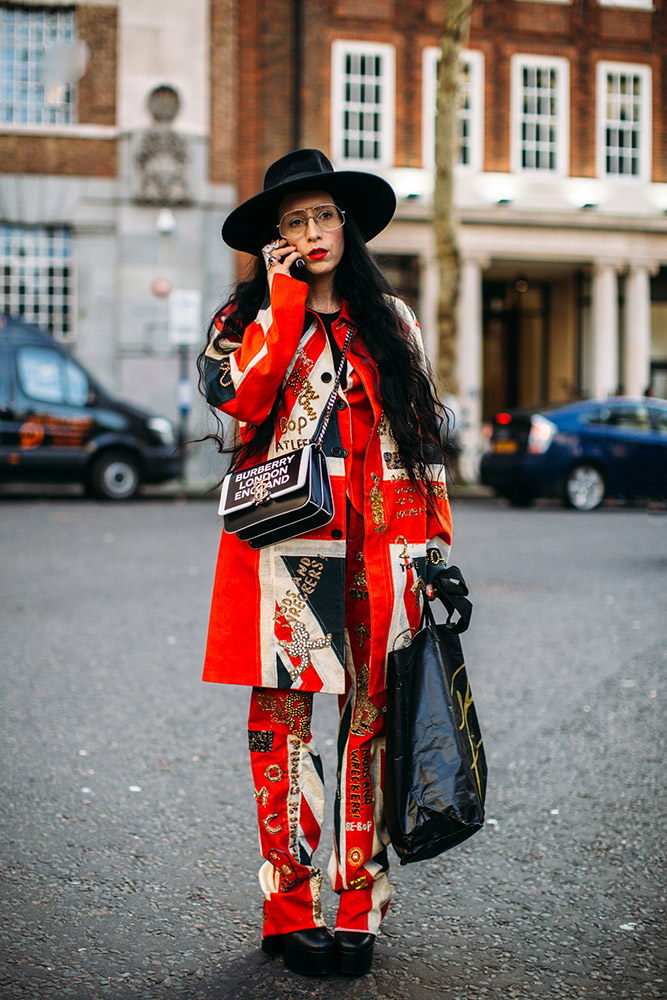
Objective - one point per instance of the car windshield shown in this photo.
(48, 377)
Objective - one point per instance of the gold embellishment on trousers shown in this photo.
(271, 829)
(262, 795)
(293, 794)
(365, 712)
(355, 857)
(292, 710)
(274, 773)
(284, 864)
(363, 633)
(260, 741)
(359, 787)
(300, 646)
(377, 505)
(316, 892)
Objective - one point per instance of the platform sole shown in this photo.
(354, 963)
(297, 958)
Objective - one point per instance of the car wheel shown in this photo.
(584, 487)
(114, 475)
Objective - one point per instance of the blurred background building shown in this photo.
(122, 151)
(110, 212)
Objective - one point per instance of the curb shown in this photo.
(208, 490)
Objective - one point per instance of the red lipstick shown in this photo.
(318, 254)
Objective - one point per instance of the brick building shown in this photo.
(561, 186)
(105, 190)
(113, 183)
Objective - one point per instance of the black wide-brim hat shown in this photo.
(368, 198)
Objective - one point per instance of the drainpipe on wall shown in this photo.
(296, 95)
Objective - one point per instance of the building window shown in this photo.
(37, 276)
(635, 4)
(471, 110)
(624, 120)
(25, 34)
(470, 125)
(540, 115)
(362, 103)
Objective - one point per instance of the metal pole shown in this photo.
(184, 402)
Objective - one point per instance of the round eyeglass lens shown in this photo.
(294, 224)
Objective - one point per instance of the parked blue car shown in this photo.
(582, 452)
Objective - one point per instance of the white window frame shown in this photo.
(340, 49)
(643, 71)
(475, 60)
(27, 289)
(34, 30)
(634, 4)
(562, 149)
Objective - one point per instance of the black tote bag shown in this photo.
(435, 768)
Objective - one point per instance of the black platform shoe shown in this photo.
(309, 952)
(354, 952)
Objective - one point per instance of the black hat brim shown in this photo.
(367, 197)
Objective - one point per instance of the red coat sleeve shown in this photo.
(242, 379)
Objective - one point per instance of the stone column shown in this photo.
(604, 376)
(469, 415)
(637, 346)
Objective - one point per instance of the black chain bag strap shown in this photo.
(285, 496)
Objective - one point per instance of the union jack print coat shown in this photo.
(278, 613)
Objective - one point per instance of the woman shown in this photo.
(322, 611)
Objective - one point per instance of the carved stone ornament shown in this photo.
(163, 159)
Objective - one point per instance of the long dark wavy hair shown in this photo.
(418, 421)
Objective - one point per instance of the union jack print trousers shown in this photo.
(289, 788)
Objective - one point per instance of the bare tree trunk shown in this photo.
(455, 35)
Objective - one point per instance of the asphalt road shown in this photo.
(129, 842)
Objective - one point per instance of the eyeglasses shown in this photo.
(295, 224)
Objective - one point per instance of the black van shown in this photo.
(57, 424)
